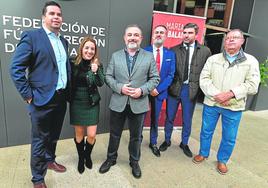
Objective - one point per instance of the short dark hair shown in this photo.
(192, 25)
(133, 25)
(49, 3)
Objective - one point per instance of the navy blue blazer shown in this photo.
(166, 72)
(34, 68)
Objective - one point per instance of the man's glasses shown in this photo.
(233, 38)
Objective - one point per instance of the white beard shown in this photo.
(158, 42)
(132, 45)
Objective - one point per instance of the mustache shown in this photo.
(132, 45)
(132, 40)
(159, 41)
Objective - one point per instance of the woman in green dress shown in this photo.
(87, 76)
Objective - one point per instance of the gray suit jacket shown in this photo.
(144, 75)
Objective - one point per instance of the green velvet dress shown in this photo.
(84, 106)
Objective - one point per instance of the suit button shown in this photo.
(93, 103)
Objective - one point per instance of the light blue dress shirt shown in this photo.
(61, 58)
(231, 59)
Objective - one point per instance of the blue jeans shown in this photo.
(230, 123)
(187, 114)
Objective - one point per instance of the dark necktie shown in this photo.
(130, 64)
(186, 65)
(158, 59)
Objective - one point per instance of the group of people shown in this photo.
(46, 79)
(225, 80)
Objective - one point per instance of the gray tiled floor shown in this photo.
(247, 167)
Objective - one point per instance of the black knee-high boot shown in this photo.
(88, 151)
(81, 155)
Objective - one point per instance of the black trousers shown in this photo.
(117, 121)
(47, 123)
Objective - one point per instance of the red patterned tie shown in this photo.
(158, 59)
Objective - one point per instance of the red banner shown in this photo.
(175, 23)
(162, 117)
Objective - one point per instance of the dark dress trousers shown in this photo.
(166, 76)
(185, 93)
(35, 55)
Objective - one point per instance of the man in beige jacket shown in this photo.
(226, 80)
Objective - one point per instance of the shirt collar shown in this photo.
(125, 49)
(228, 55)
(191, 45)
(239, 57)
(48, 32)
(155, 48)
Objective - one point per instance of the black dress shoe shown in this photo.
(136, 170)
(164, 146)
(155, 150)
(186, 150)
(105, 167)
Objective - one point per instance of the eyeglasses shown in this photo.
(233, 38)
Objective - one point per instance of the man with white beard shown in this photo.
(165, 63)
(131, 74)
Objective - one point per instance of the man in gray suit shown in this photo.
(131, 74)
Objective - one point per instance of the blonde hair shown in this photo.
(80, 50)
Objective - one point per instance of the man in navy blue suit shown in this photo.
(190, 59)
(165, 62)
(42, 53)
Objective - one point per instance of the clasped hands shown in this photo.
(130, 91)
(224, 98)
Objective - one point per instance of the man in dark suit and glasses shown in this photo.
(43, 54)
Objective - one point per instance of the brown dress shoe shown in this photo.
(40, 185)
(198, 159)
(56, 167)
(222, 168)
